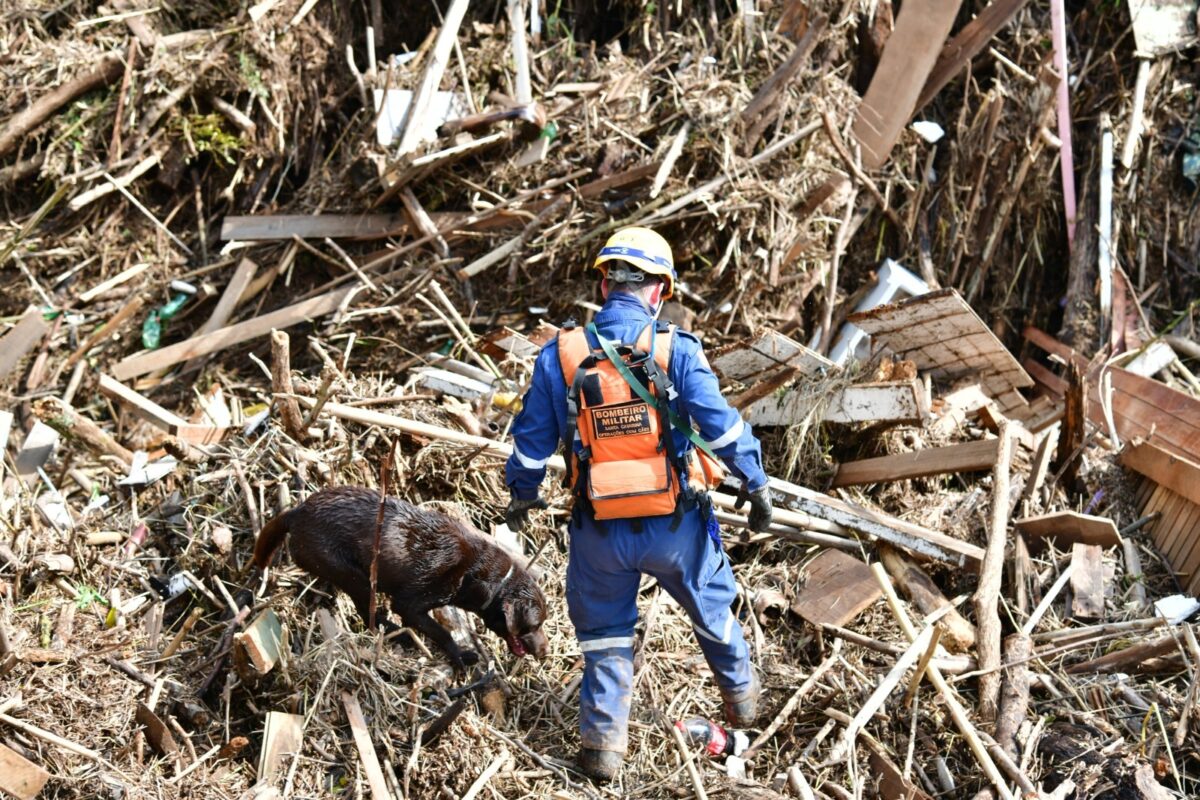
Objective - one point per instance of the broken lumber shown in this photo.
(258, 648)
(1071, 527)
(769, 350)
(967, 44)
(958, 634)
(908, 57)
(19, 776)
(965, 457)
(1087, 581)
(1128, 659)
(146, 409)
(20, 339)
(1176, 473)
(221, 314)
(281, 385)
(283, 735)
(943, 335)
(70, 423)
(272, 227)
(228, 337)
(157, 732)
(362, 741)
(837, 588)
(765, 106)
(887, 401)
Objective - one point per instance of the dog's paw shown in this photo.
(467, 658)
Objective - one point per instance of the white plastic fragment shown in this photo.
(142, 472)
(929, 131)
(1176, 608)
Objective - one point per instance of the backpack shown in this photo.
(627, 467)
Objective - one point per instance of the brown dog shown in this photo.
(427, 559)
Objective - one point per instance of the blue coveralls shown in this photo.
(606, 563)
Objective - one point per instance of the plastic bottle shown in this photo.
(716, 740)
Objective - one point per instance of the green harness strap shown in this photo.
(678, 422)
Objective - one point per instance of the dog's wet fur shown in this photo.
(427, 559)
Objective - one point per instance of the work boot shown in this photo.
(742, 709)
(600, 765)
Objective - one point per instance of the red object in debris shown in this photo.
(697, 730)
(135, 539)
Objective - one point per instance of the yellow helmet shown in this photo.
(644, 249)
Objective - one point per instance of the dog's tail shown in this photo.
(269, 539)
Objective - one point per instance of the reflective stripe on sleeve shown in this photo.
(729, 436)
(527, 462)
(604, 644)
(724, 636)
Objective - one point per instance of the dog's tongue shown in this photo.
(514, 644)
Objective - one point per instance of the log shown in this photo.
(958, 634)
(1014, 697)
(108, 70)
(70, 423)
(230, 336)
(965, 457)
(281, 385)
(987, 596)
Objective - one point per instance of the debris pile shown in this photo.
(253, 252)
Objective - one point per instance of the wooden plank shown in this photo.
(767, 351)
(1072, 527)
(887, 778)
(36, 451)
(965, 457)
(19, 776)
(1187, 520)
(283, 735)
(261, 644)
(366, 749)
(891, 401)
(221, 314)
(944, 336)
(877, 525)
(20, 339)
(837, 588)
(1087, 581)
(228, 337)
(967, 44)
(1178, 474)
(1177, 522)
(1044, 378)
(162, 418)
(273, 227)
(907, 59)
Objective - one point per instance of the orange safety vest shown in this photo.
(626, 468)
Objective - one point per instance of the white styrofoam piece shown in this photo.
(1154, 359)
(443, 106)
(144, 472)
(894, 281)
(929, 131)
(1176, 608)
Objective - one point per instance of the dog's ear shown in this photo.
(510, 615)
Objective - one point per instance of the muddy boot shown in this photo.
(741, 709)
(600, 765)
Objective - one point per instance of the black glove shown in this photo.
(517, 513)
(760, 507)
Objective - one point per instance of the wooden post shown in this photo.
(281, 383)
(987, 596)
(958, 632)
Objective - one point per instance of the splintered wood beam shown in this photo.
(965, 457)
(271, 227)
(230, 336)
(260, 646)
(889, 401)
(146, 409)
(221, 314)
(907, 59)
(958, 634)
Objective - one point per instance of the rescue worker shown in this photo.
(639, 474)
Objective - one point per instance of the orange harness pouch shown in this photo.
(624, 469)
